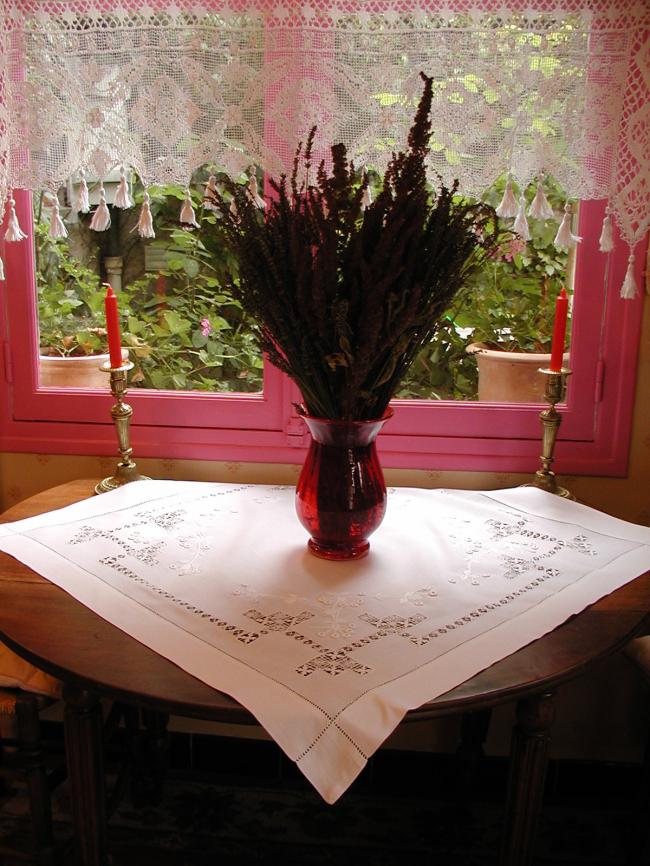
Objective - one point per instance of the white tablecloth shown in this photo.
(330, 656)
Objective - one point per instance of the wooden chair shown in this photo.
(22, 733)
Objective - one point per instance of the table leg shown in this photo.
(474, 728)
(528, 757)
(84, 754)
(150, 760)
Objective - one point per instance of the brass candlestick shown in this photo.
(554, 392)
(121, 413)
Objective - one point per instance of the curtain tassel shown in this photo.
(629, 288)
(14, 231)
(122, 195)
(606, 241)
(507, 207)
(57, 226)
(188, 217)
(102, 217)
(539, 208)
(366, 196)
(256, 198)
(145, 220)
(520, 225)
(82, 202)
(210, 194)
(565, 239)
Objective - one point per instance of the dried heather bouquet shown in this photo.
(345, 294)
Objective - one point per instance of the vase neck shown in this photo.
(344, 434)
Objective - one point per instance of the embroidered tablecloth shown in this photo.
(330, 656)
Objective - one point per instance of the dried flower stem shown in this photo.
(345, 295)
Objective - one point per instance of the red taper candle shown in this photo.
(559, 331)
(113, 327)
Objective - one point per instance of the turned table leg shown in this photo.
(37, 783)
(474, 728)
(528, 757)
(84, 754)
(150, 760)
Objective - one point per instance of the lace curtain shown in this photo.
(530, 87)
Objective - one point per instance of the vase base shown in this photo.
(338, 551)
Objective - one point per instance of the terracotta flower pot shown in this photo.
(510, 377)
(82, 371)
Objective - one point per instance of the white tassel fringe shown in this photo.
(565, 239)
(102, 217)
(122, 195)
(366, 197)
(188, 217)
(507, 207)
(629, 288)
(145, 220)
(82, 202)
(14, 231)
(209, 194)
(606, 241)
(521, 223)
(539, 208)
(57, 226)
(257, 199)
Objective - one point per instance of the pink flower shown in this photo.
(516, 245)
(206, 327)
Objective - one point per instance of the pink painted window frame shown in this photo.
(595, 430)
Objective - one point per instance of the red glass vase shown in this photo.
(341, 492)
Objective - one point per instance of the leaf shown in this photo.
(191, 267)
(175, 323)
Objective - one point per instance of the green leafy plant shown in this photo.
(513, 298)
(344, 297)
(184, 328)
(70, 301)
(191, 335)
(508, 304)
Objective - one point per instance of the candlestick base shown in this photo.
(121, 412)
(548, 481)
(124, 474)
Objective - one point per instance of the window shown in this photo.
(263, 427)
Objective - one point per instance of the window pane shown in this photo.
(180, 323)
(509, 306)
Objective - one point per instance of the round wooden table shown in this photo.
(95, 660)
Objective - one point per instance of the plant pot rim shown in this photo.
(482, 349)
(87, 359)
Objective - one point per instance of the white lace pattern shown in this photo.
(526, 87)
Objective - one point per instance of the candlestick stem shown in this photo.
(121, 413)
(554, 393)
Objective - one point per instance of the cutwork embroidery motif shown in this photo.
(333, 663)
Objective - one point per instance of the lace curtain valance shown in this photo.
(531, 88)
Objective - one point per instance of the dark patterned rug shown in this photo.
(197, 823)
